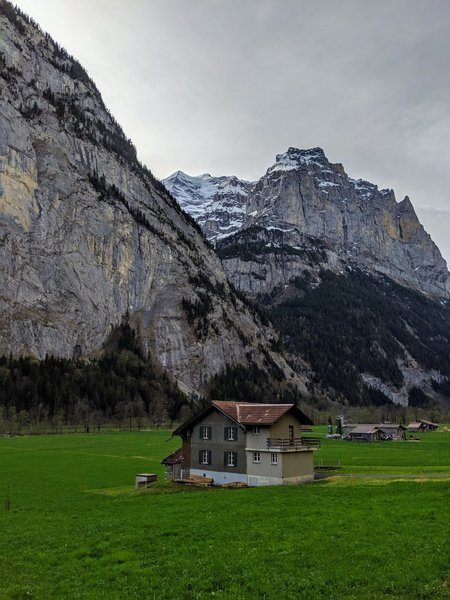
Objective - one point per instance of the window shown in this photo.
(230, 434)
(256, 457)
(230, 459)
(274, 458)
(255, 429)
(204, 457)
(205, 432)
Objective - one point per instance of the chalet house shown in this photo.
(255, 444)
(375, 432)
(421, 425)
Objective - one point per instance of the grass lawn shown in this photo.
(429, 455)
(77, 528)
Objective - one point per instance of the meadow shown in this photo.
(76, 528)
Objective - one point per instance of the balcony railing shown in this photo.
(290, 444)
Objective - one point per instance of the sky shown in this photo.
(222, 86)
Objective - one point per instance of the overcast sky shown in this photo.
(221, 86)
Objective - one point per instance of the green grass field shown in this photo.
(77, 529)
(429, 455)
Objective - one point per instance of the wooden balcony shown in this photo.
(292, 444)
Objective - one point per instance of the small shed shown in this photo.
(174, 463)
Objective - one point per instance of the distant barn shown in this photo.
(371, 432)
(422, 425)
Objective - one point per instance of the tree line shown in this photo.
(121, 389)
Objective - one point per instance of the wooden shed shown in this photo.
(174, 464)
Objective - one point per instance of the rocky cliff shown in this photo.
(304, 204)
(88, 235)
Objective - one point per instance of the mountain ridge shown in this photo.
(305, 196)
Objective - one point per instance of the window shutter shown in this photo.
(200, 457)
(235, 459)
(235, 432)
(225, 433)
(225, 461)
(209, 432)
(200, 432)
(209, 457)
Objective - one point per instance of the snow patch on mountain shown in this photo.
(217, 203)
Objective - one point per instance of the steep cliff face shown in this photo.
(87, 234)
(358, 222)
(303, 201)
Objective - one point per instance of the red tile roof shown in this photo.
(248, 413)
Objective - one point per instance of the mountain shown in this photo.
(216, 203)
(88, 237)
(95, 253)
(308, 210)
(355, 286)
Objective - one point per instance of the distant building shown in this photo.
(242, 442)
(422, 425)
(393, 431)
(371, 432)
(364, 433)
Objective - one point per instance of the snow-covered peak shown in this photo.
(201, 188)
(295, 157)
(217, 203)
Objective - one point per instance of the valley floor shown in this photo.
(76, 528)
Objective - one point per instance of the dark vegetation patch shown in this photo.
(356, 324)
(252, 384)
(123, 387)
(255, 243)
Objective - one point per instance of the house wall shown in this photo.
(292, 467)
(265, 468)
(280, 429)
(258, 441)
(298, 465)
(217, 445)
(186, 450)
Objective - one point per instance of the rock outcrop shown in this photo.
(88, 235)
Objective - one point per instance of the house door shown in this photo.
(291, 435)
